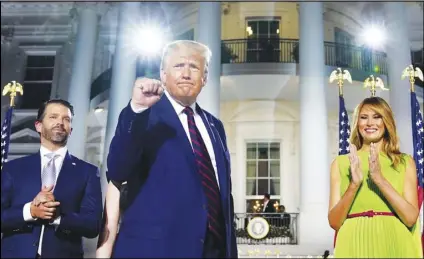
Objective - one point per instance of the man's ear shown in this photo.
(163, 76)
(38, 126)
(205, 78)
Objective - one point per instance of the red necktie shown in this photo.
(207, 176)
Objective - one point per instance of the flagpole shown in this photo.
(416, 119)
(412, 74)
(374, 82)
(344, 127)
(340, 76)
(13, 88)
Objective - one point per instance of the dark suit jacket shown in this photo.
(78, 190)
(269, 208)
(166, 214)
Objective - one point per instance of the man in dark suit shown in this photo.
(177, 152)
(51, 199)
(268, 206)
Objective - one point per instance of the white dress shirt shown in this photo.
(179, 109)
(265, 204)
(58, 164)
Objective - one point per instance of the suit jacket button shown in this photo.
(35, 244)
(202, 241)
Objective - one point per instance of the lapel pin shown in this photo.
(73, 163)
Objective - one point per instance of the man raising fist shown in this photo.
(169, 149)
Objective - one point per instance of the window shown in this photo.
(344, 42)
(38, 81)
(263, 35)
(417, 56)
(262, 172)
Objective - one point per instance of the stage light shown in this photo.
(148, 40)
(374, 36)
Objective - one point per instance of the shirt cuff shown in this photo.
(56, 221)
(27, 212)
(137, 110)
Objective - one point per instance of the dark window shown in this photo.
(263, 40)
(38, 81)
(344, 50)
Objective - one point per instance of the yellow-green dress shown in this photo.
(377, 236)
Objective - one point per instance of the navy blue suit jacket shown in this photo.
(79, 193)
(166, 216)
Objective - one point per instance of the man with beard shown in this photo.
(51, 199)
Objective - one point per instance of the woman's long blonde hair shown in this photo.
(390, 145)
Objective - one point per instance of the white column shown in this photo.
(80, 85)
(209, 33)
(398, 58)
(315, 235)
(123, 75)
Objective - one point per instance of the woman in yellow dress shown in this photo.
(373, 190)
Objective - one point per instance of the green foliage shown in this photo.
(227, 55)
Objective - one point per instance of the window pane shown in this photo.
(40, 61)
(34, 95)
(263, 27)
(263, 150)
(251, 151)
(39, 74)
(274, 187)
(263, 186)
(275, 169)
(250, 187)
(251, 169)
(275, 150)
(274, 26)
(253, 205)
(253, 26)
(263, 169)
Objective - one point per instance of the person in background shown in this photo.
(49, 200)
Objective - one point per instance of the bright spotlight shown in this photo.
(374, 36)
(148, 40)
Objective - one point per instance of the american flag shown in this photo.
(344, 128)
(344, 135)
(5, 135)
(417, 137)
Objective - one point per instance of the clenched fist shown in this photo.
(146, 92)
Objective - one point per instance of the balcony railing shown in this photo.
(287, 51)
(283, 229)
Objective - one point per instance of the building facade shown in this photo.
(268, 83)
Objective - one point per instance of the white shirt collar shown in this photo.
(178, 107)
(61, 151)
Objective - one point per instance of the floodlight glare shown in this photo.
(148, 40)
(374, 36)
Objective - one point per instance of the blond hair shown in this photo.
(202, 49)
(390, 145)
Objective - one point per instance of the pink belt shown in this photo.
(369, 214)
